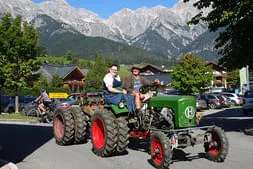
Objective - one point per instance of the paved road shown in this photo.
(33, 146)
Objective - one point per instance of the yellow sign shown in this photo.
(58, 95)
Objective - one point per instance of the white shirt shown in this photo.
(108, 79)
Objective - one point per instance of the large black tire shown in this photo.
(63, 126)
(103, 133)
(217, 149)
(122, 135)
(161, 152)
(80, 125)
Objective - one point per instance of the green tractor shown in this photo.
(168, 121)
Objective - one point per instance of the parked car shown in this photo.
(225, 101)
(22, 100)
(212, 100)
(28, 107)
(76, 97)
(65, 102)
(59, 102)
(248, 102)
(201, 104)
(4, 101)
(235, 99)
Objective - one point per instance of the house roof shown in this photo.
(152, 68)
(49, 70)
(214, 66)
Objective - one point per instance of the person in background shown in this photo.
(43, 100)
(114, 94)
(134, 82)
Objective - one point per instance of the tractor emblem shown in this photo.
(190, 112)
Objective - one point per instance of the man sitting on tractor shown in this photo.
(134, 82)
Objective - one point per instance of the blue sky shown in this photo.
(105, 8)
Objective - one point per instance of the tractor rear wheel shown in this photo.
(217, 148)
(122, 135)
(80, 125)
(63, 126)
(103, 133)
(161, 152)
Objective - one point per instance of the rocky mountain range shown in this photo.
(160, 30)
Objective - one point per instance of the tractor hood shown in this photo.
(184, 108)
(164, 101)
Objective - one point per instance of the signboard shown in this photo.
(58, 95)
(244, 79)
(243, 76)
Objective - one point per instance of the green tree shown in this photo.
(56, 81)
(234, 17)
(41, 51)
(94, 78)
(191, 75)
(18, 52)
(73, 58)
(42, 83)
(68, 55)
(233, 78)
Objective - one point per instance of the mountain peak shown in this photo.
(61, 1)
(159, 29)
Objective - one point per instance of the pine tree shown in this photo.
(56, 81)
(94, 78)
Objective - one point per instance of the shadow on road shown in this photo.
(232, 119)
(179, 155)
(18, 141)
(139, 144)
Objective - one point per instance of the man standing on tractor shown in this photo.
(114, 94)
(134, 82)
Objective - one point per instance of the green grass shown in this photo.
(16, 116)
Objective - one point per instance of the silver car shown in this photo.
(248, 102)
(235, 99)
(201, 104)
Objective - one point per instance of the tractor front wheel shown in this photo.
(103, 133)
(161, 152)
(217, 147)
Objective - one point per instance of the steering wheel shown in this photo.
(148, 88)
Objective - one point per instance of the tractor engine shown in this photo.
(160, 118)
